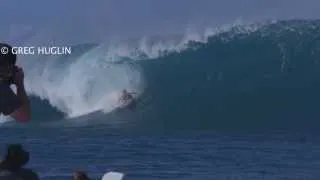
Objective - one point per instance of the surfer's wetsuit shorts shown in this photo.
(9, 102)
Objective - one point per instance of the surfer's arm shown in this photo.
(23, 113)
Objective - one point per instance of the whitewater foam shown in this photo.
(85, 85)
(91, 81)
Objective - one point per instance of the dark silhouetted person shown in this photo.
(11, 168)
(80, 175)
(15, 105)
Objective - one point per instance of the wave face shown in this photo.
(240, 78)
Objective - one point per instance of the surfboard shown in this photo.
(113, 176)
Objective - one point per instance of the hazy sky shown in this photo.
(94, 20)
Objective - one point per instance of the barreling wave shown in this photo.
(259, 75)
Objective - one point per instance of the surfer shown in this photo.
(127, 98)
(15, 105)
(80, 175)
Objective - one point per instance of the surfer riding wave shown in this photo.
(127, 99)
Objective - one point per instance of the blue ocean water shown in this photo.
(238, 104)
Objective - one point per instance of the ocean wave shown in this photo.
(261, 74)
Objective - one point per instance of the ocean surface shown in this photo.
(240, 102)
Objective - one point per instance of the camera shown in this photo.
(7, 75)
(8, 66)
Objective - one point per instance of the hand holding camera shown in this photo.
(11, 75)
(18, 76)
(14, 104)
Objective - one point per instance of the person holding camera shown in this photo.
(12, 104)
